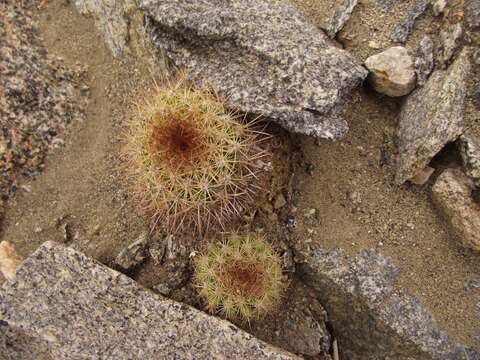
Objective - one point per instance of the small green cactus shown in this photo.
(240, 278)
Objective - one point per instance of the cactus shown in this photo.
(192, 162)
(241, 278)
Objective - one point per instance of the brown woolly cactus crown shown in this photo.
(192, 162)
(241, 279)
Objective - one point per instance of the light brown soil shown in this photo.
(349, 183)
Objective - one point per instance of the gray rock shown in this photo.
(469, 147)
(262, 56)
(424, 62)
(452, 194)
(392, 72)
(405, 27)
(340, 17)
(431, 117)
(367, 315)
(134, 254)
(451, 37)
(472, 14)
(112, 18)
(84, 310)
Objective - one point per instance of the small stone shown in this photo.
(424, 62)
(438, 7)
(452, 194)
(9, 260)
(374, 45)
(134, 254)
(308, 213)
(422, 177)
(279, 201)
(157, 251)
(392, 72)
(163, 289)
(37, 230)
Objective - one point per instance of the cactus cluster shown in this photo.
(195, 165)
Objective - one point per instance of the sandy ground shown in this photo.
(79, 199)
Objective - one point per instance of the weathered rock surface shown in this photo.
(358, 294)
(262, 56)
(134, 254)
(472, 14)
(83, 310)
(392, 72)
(431, 117)
(424, 62)
(469, 147)
(340, 17)
(452, 194)
(451, 37)
(405, 27)
(299, 326)
(438, 6)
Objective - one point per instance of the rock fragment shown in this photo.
(424, 62)
(262, 56)
(452, 194)
(402, 30)
(100, 313)
(469, 147)
(451, 37)
(134, 254)
(9, 260)
(422, 177)
(340, 17)
(392, 72)
(431, 117)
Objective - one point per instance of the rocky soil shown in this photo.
(378, 230)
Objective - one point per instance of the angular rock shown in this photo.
(358, 294)
(402, 30)
(424, 62)
(451, 38)
(431, 117)
(469, 147)
(392, 72)
(262, 56)
(452, 194)
(84, 310)
(134, 254)
(340, 17)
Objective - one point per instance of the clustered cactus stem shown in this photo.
(240, 278)
(192, 162)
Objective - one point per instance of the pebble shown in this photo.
(392, 71)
